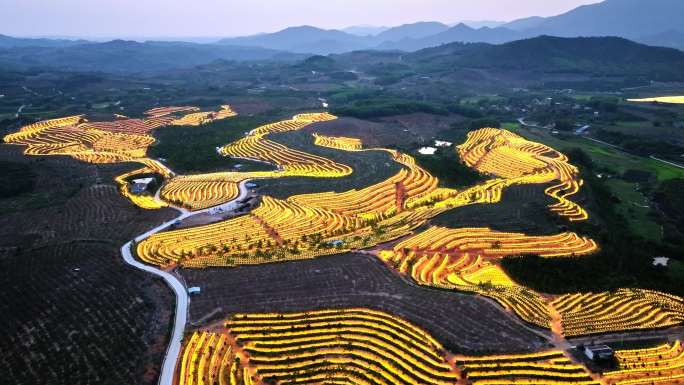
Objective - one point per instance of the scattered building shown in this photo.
(598, 352)
(140, 185)
(336, 243)
(582, 130)
(194, 290)
(661, 261)
(427, 150)
(442, 143)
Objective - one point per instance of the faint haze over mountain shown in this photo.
(176, 19)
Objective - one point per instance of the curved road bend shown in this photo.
(166, 376)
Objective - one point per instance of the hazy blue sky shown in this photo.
(238, 17)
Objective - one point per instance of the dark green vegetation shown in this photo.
(20, 190)
(522, 209)
(16, 179)
(73, 312)
(625, 258)
(369, 167)
(379, 107)
(546, 54)
(193, 149)
(669, 198)
(447, 166)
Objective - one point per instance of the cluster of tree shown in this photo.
(670, 202)
(381, 107)
(467, 111)
(447, 166)
(625, 259)
(15, 179)
(193, 149)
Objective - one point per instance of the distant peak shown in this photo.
(462, 26)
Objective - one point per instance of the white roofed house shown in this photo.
(598, 352)
(139, 186)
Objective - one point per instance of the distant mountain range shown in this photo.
(125, 56)
(651, 22)
(598, 56)
(656, 22)
(585, 57)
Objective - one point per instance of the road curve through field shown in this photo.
(166, 376)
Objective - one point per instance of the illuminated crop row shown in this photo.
(467, 260)
(661, 99)
(144, 201)
(507, 155)
(208, 358)
(301, 227)
(155, 122)
(543, 368)
(291, 162)
(125, 126)
(276, 230)
(238, 235)
(384, 197)
(360, 346)
(353, 346)
(91, 145)
(163, 111)
(338, 142)
(193, 119)
(623, 309)
(661, 365)
(199, 118)
(490, 243)
(97, 142)
(58, 122)
(198, 192)
(122, 140)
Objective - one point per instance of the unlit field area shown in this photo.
(464, 323)
(73, 311)
(103, 324)
(370, 167)
(523, 208)
(71, 200)
(400, 130)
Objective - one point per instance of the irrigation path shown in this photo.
(166, 377)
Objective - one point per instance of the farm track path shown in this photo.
(166, 377)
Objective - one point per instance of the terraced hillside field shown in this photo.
(352, 346)
(505, 154)
(467, 259)
(445, 278)
(663, 364)
(462, 322)
(121, 140)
